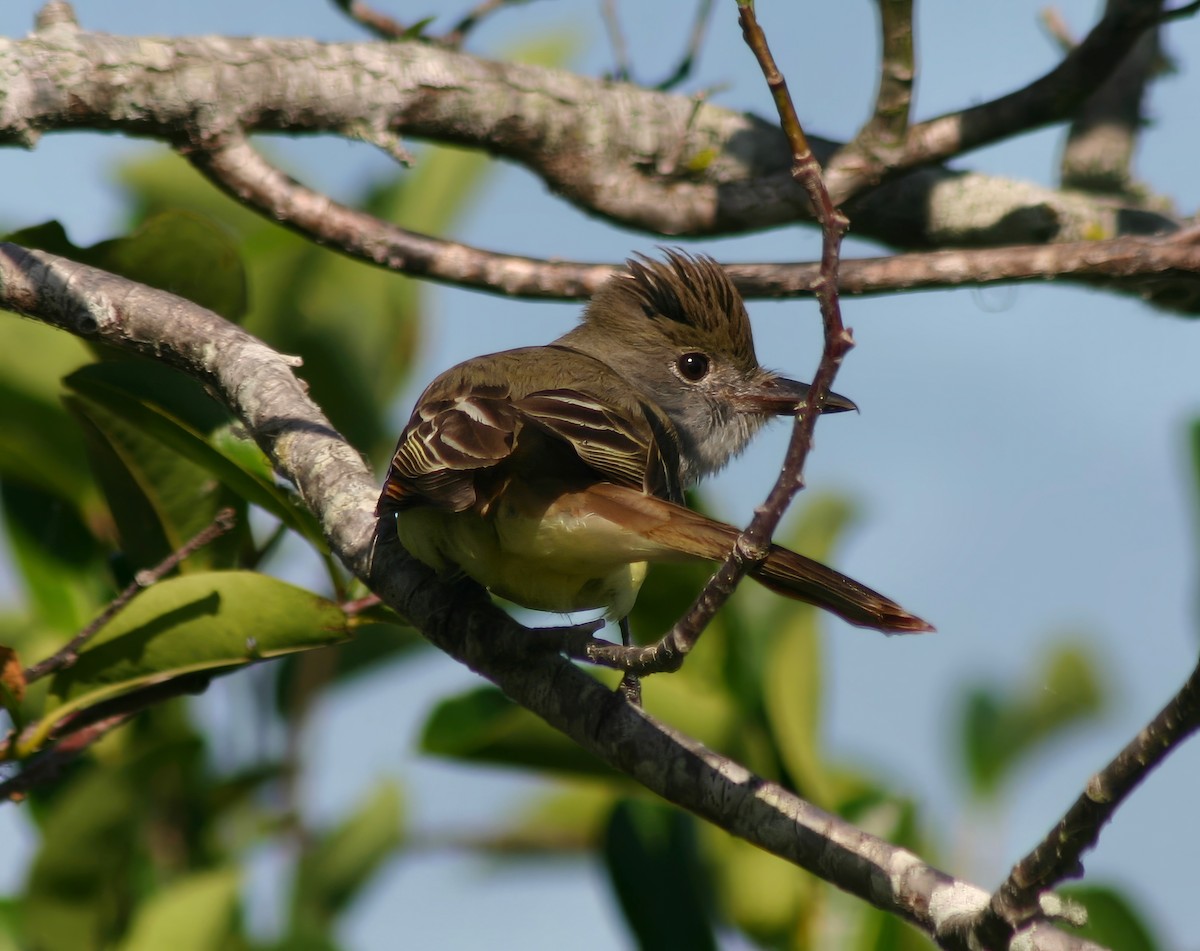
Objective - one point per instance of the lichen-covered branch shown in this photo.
(649, 160)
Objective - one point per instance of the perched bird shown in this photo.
(552, 475)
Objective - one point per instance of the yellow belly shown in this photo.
(557, 564)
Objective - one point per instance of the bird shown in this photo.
(554, 475)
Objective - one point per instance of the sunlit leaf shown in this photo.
(199, 622)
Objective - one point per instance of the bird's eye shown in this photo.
(693, 366)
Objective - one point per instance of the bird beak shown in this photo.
(779, 396)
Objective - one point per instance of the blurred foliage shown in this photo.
(110, 462)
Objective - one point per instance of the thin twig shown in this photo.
(612, 25)
(457, 35)
(1057, 856)
(1056, 27)
(897, 72)
(690, 54)
(753, 544)
(69, 653)
(1162, 271)
(378, 23)
(44, 767)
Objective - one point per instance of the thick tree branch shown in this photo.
(649, 160)
(259, 387)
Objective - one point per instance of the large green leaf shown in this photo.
(1002, 726)
(768, 898)
(194, 913)
(162, 407)
(659, 878)
(199, 622)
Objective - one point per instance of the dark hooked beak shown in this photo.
(779, 396)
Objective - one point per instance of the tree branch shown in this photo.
(1164, 272)
(1098, 155)
(1051, 98)
(260, 388)
(649, 160)
(1057, 857)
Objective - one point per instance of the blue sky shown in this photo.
(1020, 459)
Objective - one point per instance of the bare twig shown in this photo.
(1056, 27)
(897, 72)
(1057, 856)
(378, 23)
(44, 767)
(690, 54)
(69, 653)
(457, 34)
(1167, 273)
(616, 37)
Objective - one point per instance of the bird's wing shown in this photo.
(447, 445)
(631, 449)
(458, 453)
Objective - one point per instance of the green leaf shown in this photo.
(181, 252)
(1114, 921)
(194, 913)
(158, 405)
(1000, 728)
(59, 560)
(659, 878)
(483, 725)
(343, 860)
(39, 442)
(199, 622)
(791, 668)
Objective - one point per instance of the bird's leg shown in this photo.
(631, 684)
